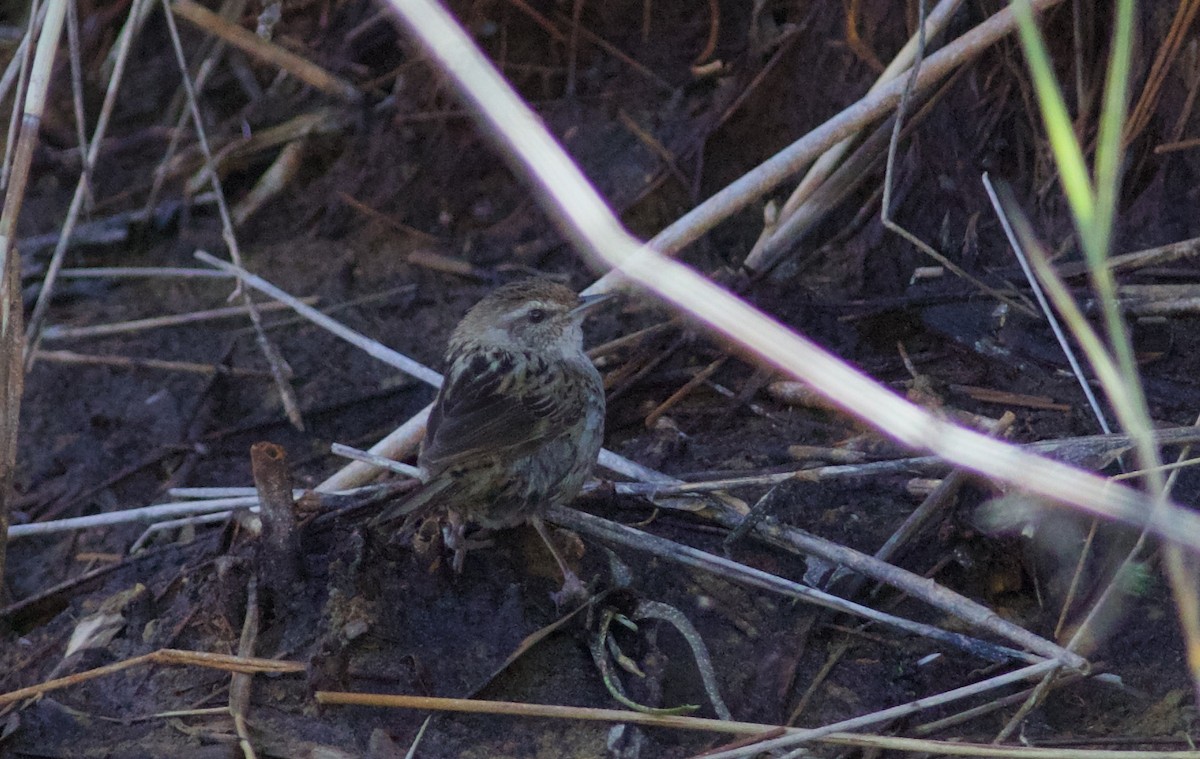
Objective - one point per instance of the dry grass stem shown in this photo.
(165, 656)
(1089, 449)
(1010, 399)
(218, 492)
(917, 586)
(770, 174)
(148, 534)
(56, 332)
(21, 63)
(228, 9)
(821, 169)
(152, 513)
(371, 347)
(279, 369)
(238, 152)
(345, 451)
(160, 511)
(240, 682)
(131, 362)
(38, 317)
(966, 715)
(1157, 256)
(133, 272)
(272, 182)
(251, 44)
(699, 379)
(77, 96)
(1168, 51)
(398, 444)
(794, 735)
(12, 343)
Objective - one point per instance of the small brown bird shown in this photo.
(519, 419)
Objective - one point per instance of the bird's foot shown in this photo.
(573, 592)
(455, 539)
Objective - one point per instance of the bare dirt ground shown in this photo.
(674, 102)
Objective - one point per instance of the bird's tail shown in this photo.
(424, 497)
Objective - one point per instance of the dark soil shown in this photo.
(409, 173)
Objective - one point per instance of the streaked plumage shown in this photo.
(519, 419)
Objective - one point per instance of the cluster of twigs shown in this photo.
(833, 154)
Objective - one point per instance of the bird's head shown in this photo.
(532, 315)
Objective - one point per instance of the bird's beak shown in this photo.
(588, 302)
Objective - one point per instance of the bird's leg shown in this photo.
(572, 588)
(455, 540)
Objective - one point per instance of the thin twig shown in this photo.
(733, 571)
(56, 332)
(167, 656)
(250, 43)
(38, 317)
(760, 255)
(279, 369)
(77, 92)
(176, 524)
(132, 362)
(372, 348)
(22, 60)
(699, 379)
(240, 682)
(157, 512)
(231, 8)
(131, 272)
(337, 449)
(1048, 312)
(777, 169)
(795, 735)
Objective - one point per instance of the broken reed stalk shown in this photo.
(12, 343)
(278, 559)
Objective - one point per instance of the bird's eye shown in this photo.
(537, 315)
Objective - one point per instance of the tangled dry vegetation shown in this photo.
(860, 491)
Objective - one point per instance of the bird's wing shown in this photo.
(489, 404)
